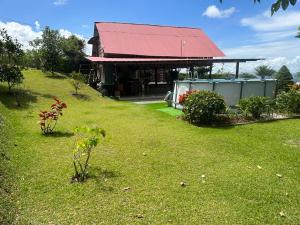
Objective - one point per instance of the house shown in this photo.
(138, 59)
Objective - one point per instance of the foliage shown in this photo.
(202, 72)
(184, 96)
(11, 55)
(49, 46)
(264, 71)
(288, 102)
(284, 4)
(55, 52)
(255, 106)
(202, 107)
(12, 75)
(72, 53)
(247, 76)
(48, 119)
(77, 80)
(298, 35)
(86, 140)
(284, 79)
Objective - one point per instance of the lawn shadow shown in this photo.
(60, 134)
(101, 176)
(18, 100)
(56, 76)
(83, 97)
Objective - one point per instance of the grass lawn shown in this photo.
(230, 172)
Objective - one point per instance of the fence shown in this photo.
(231, 90)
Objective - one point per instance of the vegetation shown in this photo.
(56, 53)
(87, 139)
(255, 106)
(264, 71)
(48, 119)
(247, 76)
(10, 58)
(230, 173)
(77, 81)
(202, 107)
(289, 102)
(284, 79)
(284, 4)
(298, 35)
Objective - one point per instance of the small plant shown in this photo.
(48, 119)
(202, 107)
(77, 81)
(86, 140)
(288, 102)
(255, 106)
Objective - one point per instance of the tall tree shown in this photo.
(72, 53)
(264, 71)
(284, 79)
(50, 49)
(11, 56)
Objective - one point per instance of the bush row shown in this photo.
(202, 107)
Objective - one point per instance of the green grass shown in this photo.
(151, 152)
(163, 107)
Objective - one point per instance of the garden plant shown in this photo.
(48, 119)
(86, 140)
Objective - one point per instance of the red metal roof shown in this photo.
(155, 41)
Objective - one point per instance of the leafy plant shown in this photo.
(183, 97)
(48, 119)
(284, 79)
(288, 102)
(12, 75)
(202, 107)
(255, 106)
(77, 81)
(264, 71)
(86, 140)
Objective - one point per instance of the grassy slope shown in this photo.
(235, 191)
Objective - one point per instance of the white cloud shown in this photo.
(60, 2)
(26, 33)
(37, 25)
(273, 62)
(23, 33)
(214, 12)
(280, 21)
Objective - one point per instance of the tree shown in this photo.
(11, 56)
(264, 71)
(72, 53)
(284, 4)
(284, 79)
(50, 49)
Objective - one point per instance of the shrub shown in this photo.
(184, 96)
(288, 102)
(77, 80)
(203, 107)
(255, 106)
(48, 119)
(86, 140)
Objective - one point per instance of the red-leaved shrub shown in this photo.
(48, 119)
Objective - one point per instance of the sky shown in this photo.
(241, 28)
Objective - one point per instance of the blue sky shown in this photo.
(239, 28)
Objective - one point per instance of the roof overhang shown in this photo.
(169, 61)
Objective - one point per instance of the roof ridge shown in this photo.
(153, 25)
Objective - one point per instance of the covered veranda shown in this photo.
(148, 77)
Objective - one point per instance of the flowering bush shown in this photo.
(86, 140)
(183, 97)
(48, 119)
(203, 107)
